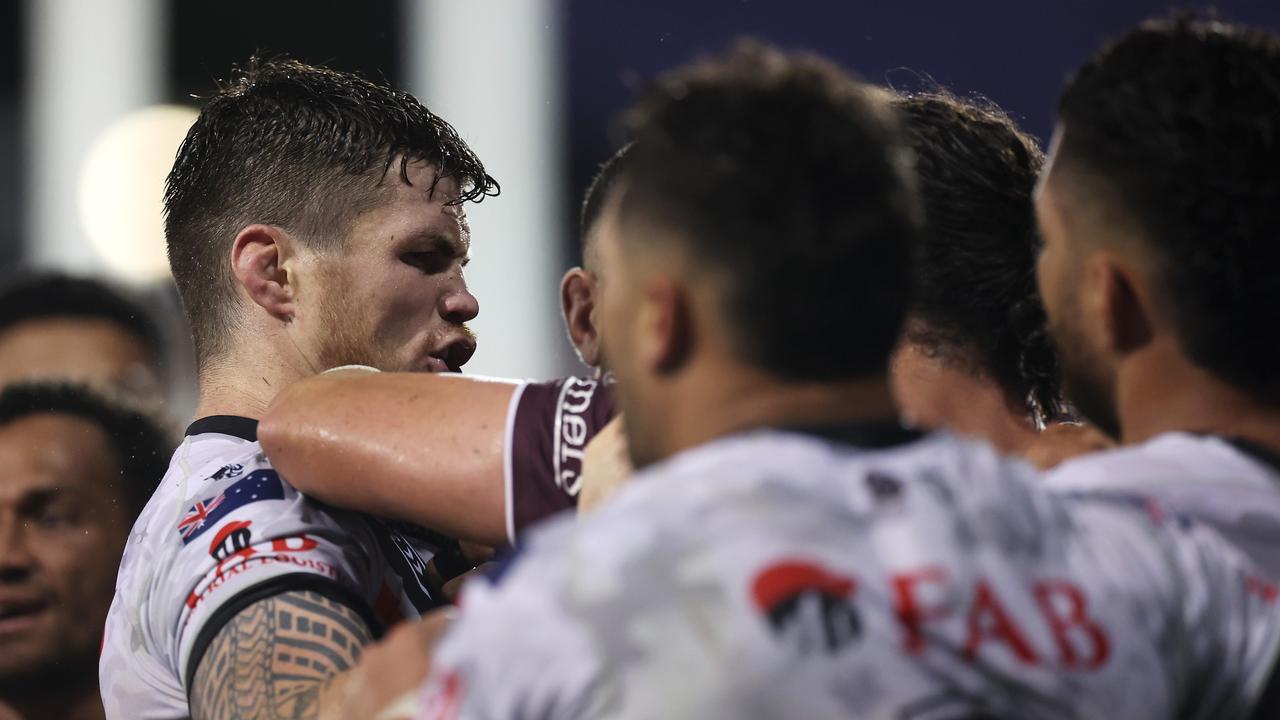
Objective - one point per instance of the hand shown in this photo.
(606, 466)
(393, 667)
(1060, 442)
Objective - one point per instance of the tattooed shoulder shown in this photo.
(274, 658)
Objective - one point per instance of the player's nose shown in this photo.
(16, 560)
(459, 306)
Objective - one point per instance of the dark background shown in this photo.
(1015, 53)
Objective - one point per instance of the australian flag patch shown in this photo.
(256, 486)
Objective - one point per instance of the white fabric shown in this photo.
(776, 575)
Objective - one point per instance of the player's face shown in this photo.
(1087, 374)
(91, 350)
(395, 298)
(63, 526)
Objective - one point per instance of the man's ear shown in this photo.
(259, 257)
(578, 304)
(666, 325)
(1128, 319)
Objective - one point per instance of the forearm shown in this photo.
(282, 657)
(423, 448)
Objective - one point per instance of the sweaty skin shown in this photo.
(421, 448)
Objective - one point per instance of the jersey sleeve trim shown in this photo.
(508, 457)
(271, 587)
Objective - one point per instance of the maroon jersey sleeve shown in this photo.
(548, 426)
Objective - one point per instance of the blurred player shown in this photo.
(56, 326)
(1161, 270)
(788, 550)
(77, 470)
(314, 219)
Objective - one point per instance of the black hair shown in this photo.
(975, 297)
(141, 444)
(790, 180)
(302, 147)
(1175, 129)
(44, 295)
(598, 191)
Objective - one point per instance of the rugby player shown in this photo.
(313, 219)
(485, 460)
(788, 550)
(1160, 211)
(61, 327)
(78, 467)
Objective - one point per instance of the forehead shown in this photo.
(54, 451)
(95, 349)
(417, 206)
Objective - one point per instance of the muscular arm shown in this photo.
(282, 657)
(423, 448)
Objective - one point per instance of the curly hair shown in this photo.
(31, 296)
(1176, 129)
(790, 179)
(975, 296)
(141, 443)
(302, 147)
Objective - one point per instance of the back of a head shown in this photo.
(789, 179)
(50, 295)
(1173, 129)
(976, 301)
(300, 147)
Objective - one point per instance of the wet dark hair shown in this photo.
(141, 444)
(46, 295)
(597, 192)
(1174, 128)
(975, 297)
(302, 147)
(790, 180)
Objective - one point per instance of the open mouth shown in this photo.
(19, 613)
(452, 356)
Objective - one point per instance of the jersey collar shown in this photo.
(874, 435)
(234, 425)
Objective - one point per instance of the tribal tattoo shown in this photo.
(275, 659)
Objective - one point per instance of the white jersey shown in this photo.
(222, 531)
(1233, 485)
(784, 575)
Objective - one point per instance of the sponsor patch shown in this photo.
(256, 486)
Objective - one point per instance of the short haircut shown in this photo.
(1174, 129)
(50, 295)
(791, 180)
(141, 444)
(301, 147)
(597, 192)
(975, 286)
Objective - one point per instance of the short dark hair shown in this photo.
(793, 180)
(141, 444)
(597, 193)
(44, 295)
(975, 285)
(1174, 127)
(302, 147)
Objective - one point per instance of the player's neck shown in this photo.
(81, 704)
(1162, 392)
(719, 401)
(245, 380)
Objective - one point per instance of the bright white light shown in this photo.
(121, 190)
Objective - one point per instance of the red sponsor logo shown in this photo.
(443, 697)
(283, 550)
(1080, 641)
(925, 603)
